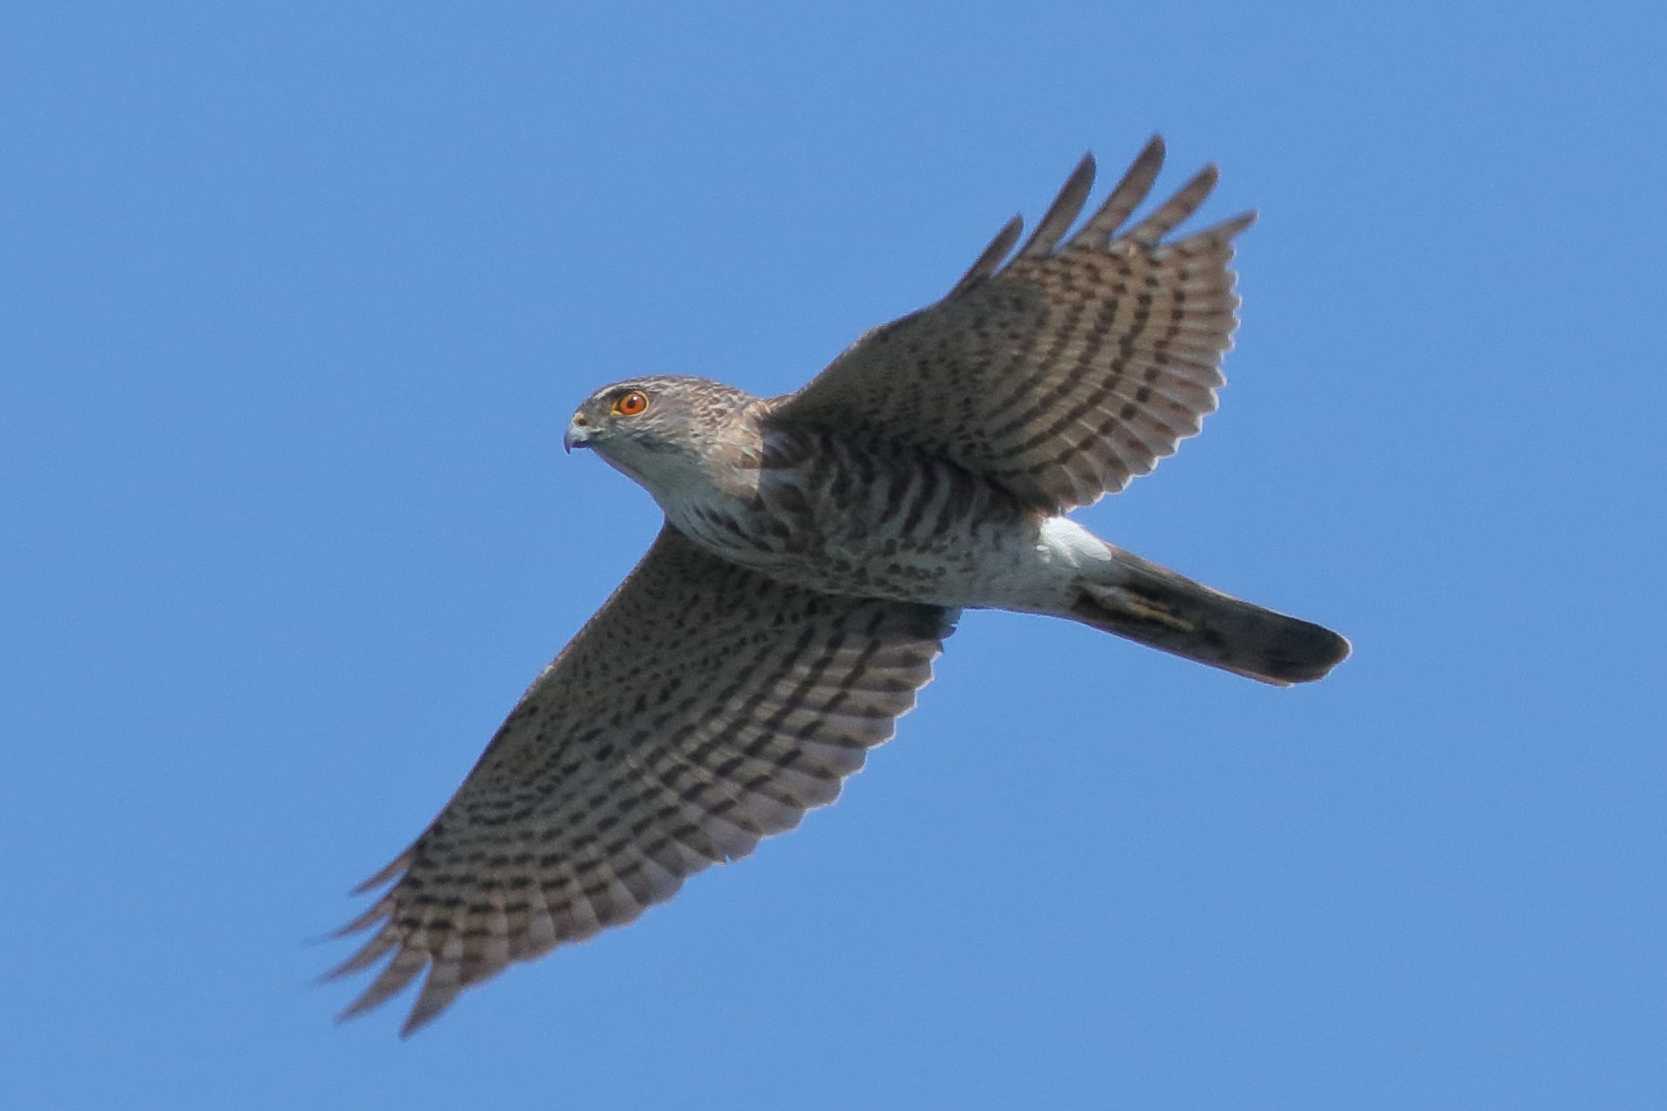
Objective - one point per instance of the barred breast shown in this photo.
(868, 518)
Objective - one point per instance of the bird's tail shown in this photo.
(1157, 607)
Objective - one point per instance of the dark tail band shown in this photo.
(1157, 607)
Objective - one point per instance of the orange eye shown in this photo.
(630, 404)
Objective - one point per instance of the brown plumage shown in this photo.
(817, 549)
(1069, 371)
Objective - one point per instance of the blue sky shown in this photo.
(300, 299)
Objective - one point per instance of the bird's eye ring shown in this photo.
(631, 403)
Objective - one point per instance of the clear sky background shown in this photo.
(298, 300)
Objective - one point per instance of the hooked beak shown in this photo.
(578, 434)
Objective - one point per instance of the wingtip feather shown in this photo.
(400, 971)
(393, 868)
(1125, 196)
(1063, 212)
(992, 256)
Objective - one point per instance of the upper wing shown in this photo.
(1068, 371)
(703, 707)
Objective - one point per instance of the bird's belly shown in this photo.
(945, 539)
(948, 575)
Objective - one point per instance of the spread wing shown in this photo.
(702, 708)
(1066, 372)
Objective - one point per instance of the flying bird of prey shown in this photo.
(817, 549)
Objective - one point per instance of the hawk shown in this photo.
(817, 549)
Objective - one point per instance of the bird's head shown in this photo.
(662, 431)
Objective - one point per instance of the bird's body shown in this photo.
(866, 519)
(869, 517)
(818, 548)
